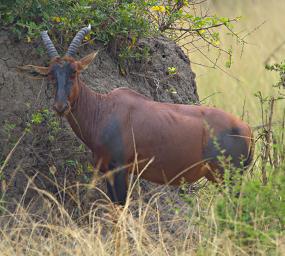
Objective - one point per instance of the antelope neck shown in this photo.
(86, 113)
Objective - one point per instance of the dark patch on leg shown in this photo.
(228, 143)
(111, 139)
(117, 187)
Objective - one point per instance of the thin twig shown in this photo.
(263, 126)
(268, 140)
(11, 152)
(202, 28)
(272, 54)
(218, 67)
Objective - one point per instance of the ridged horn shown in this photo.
(77, 41)
(52, 52)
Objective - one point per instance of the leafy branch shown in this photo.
(127, 20)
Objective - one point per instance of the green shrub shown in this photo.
(124, 20)
(258, 215)
(108, 18)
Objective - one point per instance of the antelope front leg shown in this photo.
(117, 184)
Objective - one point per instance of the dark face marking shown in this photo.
(63, 75)
(228, 143)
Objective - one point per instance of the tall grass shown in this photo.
(212, 222)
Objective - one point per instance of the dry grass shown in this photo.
(138, 228)
(151, 223)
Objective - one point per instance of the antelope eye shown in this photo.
(72, 73)
(72, 70)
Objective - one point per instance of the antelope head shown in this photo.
(63, 72)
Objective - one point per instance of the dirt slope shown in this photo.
(51, 156)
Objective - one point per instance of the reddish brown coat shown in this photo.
(185, 140)
(175, 135)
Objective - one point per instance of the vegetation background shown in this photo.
(212, 221)
(261, 26)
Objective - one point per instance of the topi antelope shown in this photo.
(185, 141)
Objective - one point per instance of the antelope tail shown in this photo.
(250, 155)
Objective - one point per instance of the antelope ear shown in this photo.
(84, 62)
(35, 71)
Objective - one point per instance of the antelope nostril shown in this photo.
(60, 107)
